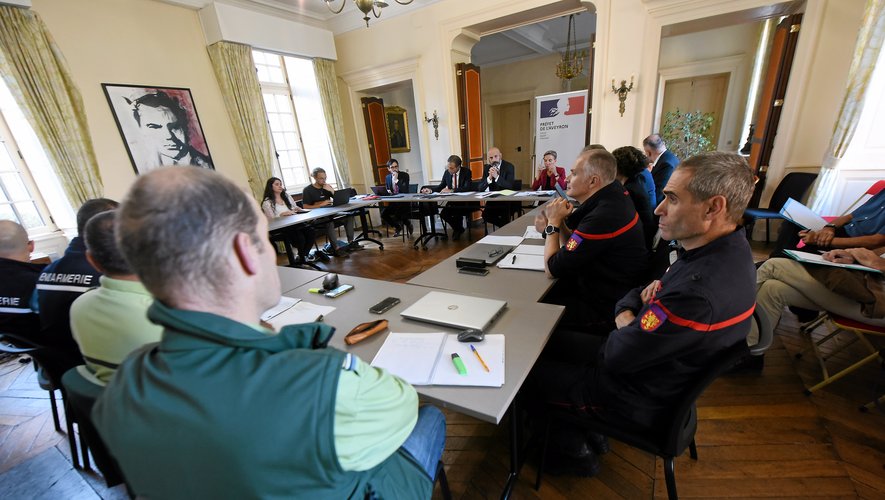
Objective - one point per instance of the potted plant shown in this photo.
(687, 134)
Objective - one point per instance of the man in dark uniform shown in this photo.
(597, 252)
(668, 331)
(59, 285)
(497, 174)
(456, 179)
(19, 278)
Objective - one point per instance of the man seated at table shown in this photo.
(669, 330)
(109, 322)
(498, 174)
(456, 179)
(224, 408)
(320, 194)
(19, 279)
(598, 251)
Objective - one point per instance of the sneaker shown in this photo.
(353, 245)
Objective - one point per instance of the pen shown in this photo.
(484, 365)
(513, 260)
(459, 364)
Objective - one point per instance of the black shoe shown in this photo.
(599, 443)
(558, 464)
(398, 232)
(409, 227)
(456, 235)
(749, 364)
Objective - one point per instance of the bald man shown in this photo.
(19, 279)
(497, 174)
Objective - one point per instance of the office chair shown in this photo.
(793, 185)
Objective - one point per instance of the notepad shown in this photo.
(532, 234)
(501, 240)
(813, 258)
(802, 216)
(284, 304)
(426, 359)
(522, 261)
(302, 312)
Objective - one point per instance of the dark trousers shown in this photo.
(395, 214)
(788, 238)
(454, 213)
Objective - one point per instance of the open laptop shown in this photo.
(489, 253)
(380, 190)
(451, 309)
(341, 197)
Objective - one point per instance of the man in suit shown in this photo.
(663, 162)
(396, 214)
(455, 179)
(497, 174)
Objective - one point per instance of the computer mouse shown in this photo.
(471, 335)
(330, 281)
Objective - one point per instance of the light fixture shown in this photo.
(433, 121)
(622, 92)
(572, 63)
(365, 6)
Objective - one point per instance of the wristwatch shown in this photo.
(831, 225)
(550, 229)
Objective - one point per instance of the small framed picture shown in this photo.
(159, 126)
(397, 129)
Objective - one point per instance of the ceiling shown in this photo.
(532, 40)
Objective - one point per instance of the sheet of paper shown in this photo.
(522, 261)
(535, 193)
(465, 193)
(283, 305)
(410, 356)
(802, 216)
(491, 349)
(529, 249)
(532, 234)
(302, 312)
(501, 240)
(507, 192)
(813, 258)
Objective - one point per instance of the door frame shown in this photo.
(490, 131)
(505, 98)
(734, 66)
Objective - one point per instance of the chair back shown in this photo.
(793, 185)
(766, 333)
(875, 189)
(517, 184)
(81, 396)
(684, 420)
(413, 188)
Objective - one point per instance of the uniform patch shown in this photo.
(652, 318)
(572, 244)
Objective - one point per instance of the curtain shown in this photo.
(37, 75)
(235, 72)
(866, 54)
(327, 82)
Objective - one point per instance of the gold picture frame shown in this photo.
(396, 123)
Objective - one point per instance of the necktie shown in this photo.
(454, 181)
(395, 186)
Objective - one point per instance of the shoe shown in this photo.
(456, 235)
(398, 232)
(409, 227)
(310, 258)
(353, 246)
(599, 443)
(559, 464)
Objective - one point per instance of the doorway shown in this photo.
(511, 133)
(705, 93)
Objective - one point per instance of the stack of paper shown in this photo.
(510, 241)
(529, 257)
(426, 359)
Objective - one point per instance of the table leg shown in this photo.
(515, 464)
(364, 234)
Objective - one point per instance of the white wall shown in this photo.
(410, 162)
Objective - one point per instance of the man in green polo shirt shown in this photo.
(224, 408)
(109, 322)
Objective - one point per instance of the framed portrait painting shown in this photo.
(397, 129)
(159, 126)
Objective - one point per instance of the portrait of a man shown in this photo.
(397, 129)
(160, 126)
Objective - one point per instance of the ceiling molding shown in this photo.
(531, 37)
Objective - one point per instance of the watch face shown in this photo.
(550, 229)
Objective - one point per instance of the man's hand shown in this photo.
(648, 294)
(541, 222)
(325, 203)
(557, 211)
(445, 190)
(866, 257)
(625, 318)
(821, 238)
(494, 172)
(839, 256)
(426, 191)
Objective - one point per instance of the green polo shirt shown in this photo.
(109, 322)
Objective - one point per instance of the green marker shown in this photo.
(459, 365)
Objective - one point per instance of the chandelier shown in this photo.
(365, 6)
(572, 63)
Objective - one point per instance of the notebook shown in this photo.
(426, 359)
(529, 257)
(488, 253)
(802, 216)
(460, 311)
(813, 258)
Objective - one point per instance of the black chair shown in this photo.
(81, 396)
(14, 344)
(793, 185)
(677, 433)
(425, 213)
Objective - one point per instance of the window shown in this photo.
(295, 117)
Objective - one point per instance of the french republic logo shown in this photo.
(550, 108)
(652, 318)
(572, 244)
(575, 105)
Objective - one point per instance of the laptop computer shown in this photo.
(341, 197)
(380, 190)
(451, 309)
(489, 253)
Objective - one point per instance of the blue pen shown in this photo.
(484, 365)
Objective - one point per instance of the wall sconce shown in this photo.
(622, 92)
(435, 122)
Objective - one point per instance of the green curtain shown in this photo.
(327, 82)
(235, 72)
(37, 75)
(866, 54)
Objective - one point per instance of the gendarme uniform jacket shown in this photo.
(219, 409)
(16, 289)
(704, 306)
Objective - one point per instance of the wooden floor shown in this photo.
(758, 435)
